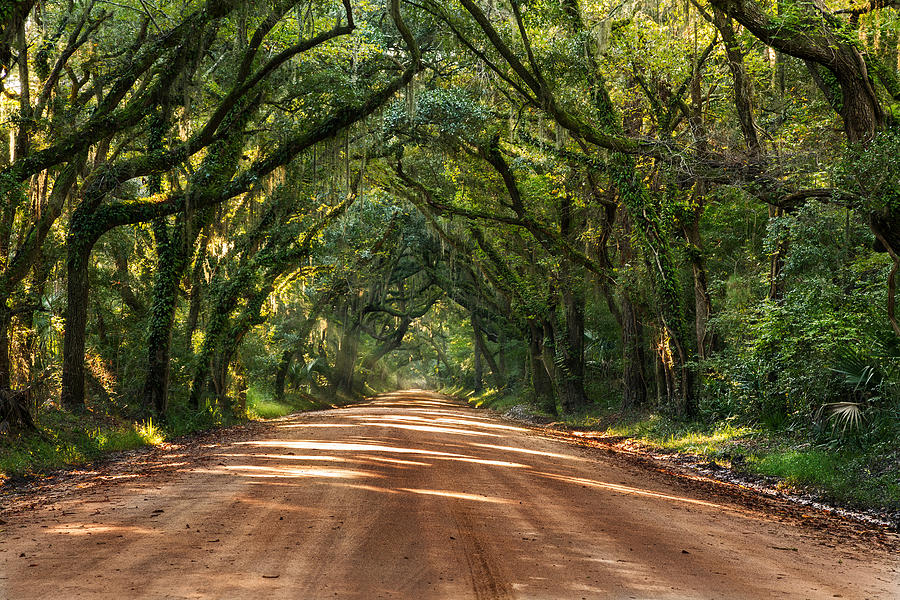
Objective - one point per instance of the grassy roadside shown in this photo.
(846, 471)
(68, 439)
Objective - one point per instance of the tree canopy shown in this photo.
(692, 207)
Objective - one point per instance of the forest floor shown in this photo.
(414, 495)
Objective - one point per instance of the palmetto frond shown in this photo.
(849, 415)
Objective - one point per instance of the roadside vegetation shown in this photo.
(853, 468)
(64, 440)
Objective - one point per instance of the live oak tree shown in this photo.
(561, 200)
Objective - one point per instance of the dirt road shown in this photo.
(415, 496)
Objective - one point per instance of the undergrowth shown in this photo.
(865, 476)
(493, 399)
(67, 439)
(851, 470)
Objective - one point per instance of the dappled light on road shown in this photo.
(283, 456)
(624, 489)
(97, 529)
(439, 421)
(416, 496)
(257, 471)
(429, 429)
(527, 451)
(458, 495)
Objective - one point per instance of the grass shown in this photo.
(68, 439)
(493, 399)
(851, 476)
(261, 404)
(860, 475)
(695, 438)
(68, 442)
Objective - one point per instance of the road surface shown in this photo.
(416, 496)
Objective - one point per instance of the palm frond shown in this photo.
(849, 415)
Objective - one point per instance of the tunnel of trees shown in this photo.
(691, 207)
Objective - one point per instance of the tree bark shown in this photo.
(284, 365)
(496, 374)
(196, 293)
(540, 379)
(5, 365)
(634, 388)
(702, 298)
(825, 45)
(743, 84)
(573, 396)
(478, 375)
(162, 317)
(78, 286)
(345, 361)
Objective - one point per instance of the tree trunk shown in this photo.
(634, 388)
(478, 375)
(14, 413)
(573, 397)
(72, 396)
(5, 365)
(548, 357)
(284, 365)
(776, 261)
(496, 375)
(196, 291)
(540, 380)
(743, 84)
(345, 361)
(162, 318)
(702, 298)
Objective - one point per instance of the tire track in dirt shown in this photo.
(487, 579)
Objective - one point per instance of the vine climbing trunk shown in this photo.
(162, 317)
(706, 340)
(196, 293)
(572, 396)
(634, 360)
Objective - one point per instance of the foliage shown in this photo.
(234, 209)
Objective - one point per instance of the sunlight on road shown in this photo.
(431, 429)
(96, 529)
(257, 471)
(401, 496)
(532, 452)
(458, 495)
(439, 421)
(624, 489)
(286, 457)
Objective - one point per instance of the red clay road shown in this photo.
(416, 496)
